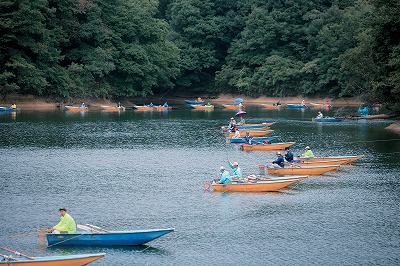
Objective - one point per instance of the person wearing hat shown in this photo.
(279, 162)
(224, 176)
(232, 125)
(66, 225)
(237, 173)
(308, 153)
(237, 134)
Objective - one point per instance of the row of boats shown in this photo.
(273, 178)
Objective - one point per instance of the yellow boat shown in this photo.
(202, 107)
(254, 133)
(257, 185)
(76, 108)
(266, 147)
(347, 159)
(302, 170)
(144, 108)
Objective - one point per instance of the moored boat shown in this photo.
(254, 133)
(295, 106)
(317, 163)
(347, 159)
(202, 107)
(112, 108)
(144, 108)
(266, 147)
(271, 106)
(194, 102)
(107, 238)
(302, 170)
(254, 140)
(65, 260)
(257, 185)
(7, 109)
(76, 108)
(233, 106)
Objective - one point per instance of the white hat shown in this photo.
(235, 163)
(308, 148)
(278, 152)
(222, 168)
(232, 118)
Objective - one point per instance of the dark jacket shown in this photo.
(289, 156)
(280, 161)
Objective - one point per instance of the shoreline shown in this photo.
(37, 102)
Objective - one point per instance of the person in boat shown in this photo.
(327, 103)
(303, 103)
(232, 125)
(320, 115)
(66, 225)
(208, 104)
(165, 104)
(13, 106)
(365, 110)
(288, 155)
(237, 172)
(279, 162)
(151, 105)
(360, 111)
(308, 153)
(199, 99)
(224, 176)
(82, 105)
(248, 138)
(237, 134)
(278, 103)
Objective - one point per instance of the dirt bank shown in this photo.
(395, 127)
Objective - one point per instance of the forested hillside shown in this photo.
(127, 48)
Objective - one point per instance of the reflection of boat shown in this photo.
(112, 108)
(66, 260)
(266, 147)
(348, 159)
(7, 109)
(203, 107)
(233, 106)
(253, 133)
(194, 102)
(76, 108)
(270, 106)
(107, 238)
(254, 140)
(327, 119)
(302, 170)
(257, 185)
(295, 106)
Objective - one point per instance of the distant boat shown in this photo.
(254, 140)
(144, 108)
(112, 108)
(348, 159)
(327, 119)
(76, 108)
(194, 102)
(257, 185)
(107, 238)
(271, 106)
(233, 106)
(66, 260)
(266, 147)
(295, 106)
(7, 109)
(202, 107)
(302, 170)
(253, 133)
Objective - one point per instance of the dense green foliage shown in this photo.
(125, 48)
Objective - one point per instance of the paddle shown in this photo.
(86, 228)
(98, 228)
(8, 257)
(17, 253)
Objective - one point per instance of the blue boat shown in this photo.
(327, 119)
(7, 109)
(194, 102)
(254, 140)
(107, 238)
(295, 106)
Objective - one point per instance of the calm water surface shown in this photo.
(141, 170)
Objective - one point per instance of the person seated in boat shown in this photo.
(208, 104)
(237, 134)
(360, 111)
(248, 138)
(165, 104)
(320, 115)
(237, 172)
(303, 103)
(308, 153)
(82, 105)
(13, 106)
(151, 105)
(199, 99)
(327, 103)
(365, 110)
(224, 176)
(278, 103)
(279, 162)
(288, 155)
(66, 225)
(232, 125)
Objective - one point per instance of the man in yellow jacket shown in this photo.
(66, 225)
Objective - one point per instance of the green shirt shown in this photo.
(308, 153)
(67, 223)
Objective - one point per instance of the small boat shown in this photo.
(257, 185)
(266, 147)
(112, 108)
(317, 163)
(347, 159)
(202, 107)
(65, 260)
(107, 238)
(271, 106)
(254, 133)
(327, 119)
(194, 102)
(163, 108)
(370, 117)
(302, 170)
(233, 106)
(144, 108)
(295, 106)
(7, 109)
(76, 108)
(254, 140)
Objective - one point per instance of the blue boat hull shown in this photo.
(327, 119)
(7, 109)
(112, 238)
(194, 102)
(295, 106)
(255, 139)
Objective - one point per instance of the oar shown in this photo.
(17, 253)
(98, 228)
(86, 228)
(8, 257)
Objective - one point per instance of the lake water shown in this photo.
(145, 170)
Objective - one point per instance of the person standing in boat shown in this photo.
(224, 176)
(279, 162)
(66, 225)
(237, 172)
(288, 155)
(308, 153)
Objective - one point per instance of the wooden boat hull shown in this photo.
(256, 186)
(233, 107)
(254, 133)
(67, 260)
(194, 102)
(319, 163)
(302, 170)
(327, 119)
(347, 159)
(76, 108)
(203, 107)
(266, 147)
(112, 108)
(144, 108)
(112, 238)
(256, 139)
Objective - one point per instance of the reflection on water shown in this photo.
(142, 170)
